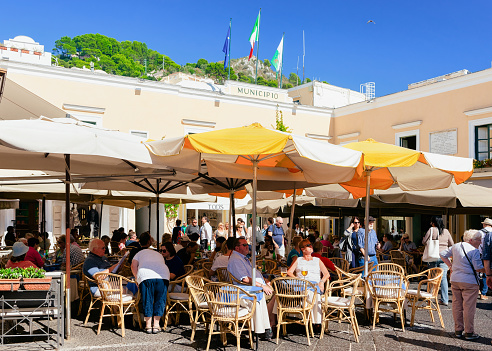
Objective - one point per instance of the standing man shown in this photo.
(205, 234)
(373, 243)
(486, 252)
(277, 233)
(10, 236)
(193, 230)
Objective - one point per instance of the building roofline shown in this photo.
(132, 83)
(471, 79)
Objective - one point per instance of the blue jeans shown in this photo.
(154, 294)
(371, 259)
(444, 281)
(485, 287)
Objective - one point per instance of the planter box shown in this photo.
(14, 49)
(9, 284)
(3, 48)
(37, 283)
(38, 53)
(25, 51)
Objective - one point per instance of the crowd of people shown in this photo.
(154, 268)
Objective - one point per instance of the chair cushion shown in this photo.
(338, 301)
(422, 293)
(178, 296)
(358, 291)
(203, 304)
(230, 312)
(124, 297)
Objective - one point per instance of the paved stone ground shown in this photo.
(387, 336)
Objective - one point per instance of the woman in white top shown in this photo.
(222, 260)
(221, 231)
(152, 276)
(313, 265)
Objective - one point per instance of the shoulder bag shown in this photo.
(479, 281)
(431, 251)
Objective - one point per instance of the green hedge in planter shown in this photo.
(10, 273)
(32, 272)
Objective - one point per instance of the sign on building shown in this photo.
(444, 142)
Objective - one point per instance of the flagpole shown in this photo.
(303, 54)
(229, 51)
(282, 68)
(258, 47)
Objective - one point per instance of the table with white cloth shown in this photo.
(260, 320)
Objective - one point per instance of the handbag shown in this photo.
(431, 251)
(479, 281)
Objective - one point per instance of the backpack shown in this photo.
(345, 244)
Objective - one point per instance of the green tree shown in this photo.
(279, 121)
(286, 86)
(294, 79)
(202, 64)
(267, 63)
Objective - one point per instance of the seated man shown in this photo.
(187, 254)
(96, 262)
(76, 255)
(240, 267)
(387, 247)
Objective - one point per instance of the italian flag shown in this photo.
(277, 57)
(255, 33)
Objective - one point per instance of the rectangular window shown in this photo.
(483, 142)
(409, 142)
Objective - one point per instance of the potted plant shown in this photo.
(10, 279)
(34, 279)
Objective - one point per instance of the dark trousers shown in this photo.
(204, 244)
(154, 294)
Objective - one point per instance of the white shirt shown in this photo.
(220, 262)
(312, 267)
(151, 265)
(206, 231)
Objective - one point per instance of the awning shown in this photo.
(19, 103)
(9, 204)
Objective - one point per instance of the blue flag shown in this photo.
(225, 49)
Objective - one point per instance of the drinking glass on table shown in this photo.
(283, 271)
(304, 272)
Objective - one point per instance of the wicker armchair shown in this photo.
(294, 296)
(270, 265)
(386, 287)
(223, 275)
(399, 257)
(341, 308)
(341, 263)
(224, 306)
(196, 289)
(114, 297)
(207, 267)
(426, 299)
(178, 298)
(198, 263)
(84, 293)
(393, 267)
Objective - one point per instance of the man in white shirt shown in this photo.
(205, 233)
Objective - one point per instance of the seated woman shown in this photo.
(295, 252)
(387, 247)
(173, 262)
(219, 243)
(314, 267)
(19, 251)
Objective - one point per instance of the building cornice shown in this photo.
(479, 111)
(407, 125)
(461, 82)
(146, 85)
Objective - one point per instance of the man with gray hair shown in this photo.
(96, 262)
(277, 233)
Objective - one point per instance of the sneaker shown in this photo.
(268, 334)
(458, 333)
(441, 302)
(471, 336)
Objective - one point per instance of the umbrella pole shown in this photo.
(157, 212)
(289, 239)
(67, 243)
(253, 239)
(150, 212)
(43, 215)
(100, 220)
(232, 210)
(366, 223)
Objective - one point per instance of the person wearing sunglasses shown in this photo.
(350, 243)
(173, 262)
(240, 267)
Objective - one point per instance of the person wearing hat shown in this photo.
(373, 242)
(183, 242)
(486, 236)
(409, 247)
(17, 260)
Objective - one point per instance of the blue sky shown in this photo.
(409, 42)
